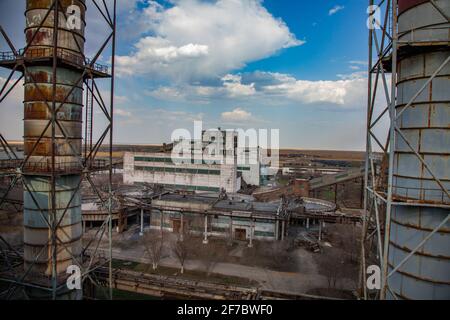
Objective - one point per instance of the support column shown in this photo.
(231, 230)
(181, 227)
(320, 230)
(335, 193)
(252, 229)
(307, 223)
(205, 240)
(161, 220)
(277, 230)
(283, 229)
(142, 222)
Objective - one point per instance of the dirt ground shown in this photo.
(279, 266)
(274, 265)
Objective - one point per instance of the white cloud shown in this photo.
(195, 39)
(166, 93)
(160, 54)
(346, 93)
(358, 62)
(165, 117)
(353, 76)
(237, 114)
(122, 113)
(235, 88)
(335, 9)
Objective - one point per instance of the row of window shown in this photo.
(243, 168)
(178, 170)
(177, 160)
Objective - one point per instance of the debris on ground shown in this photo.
(308, 240)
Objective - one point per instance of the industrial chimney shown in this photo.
(53, 119)
(423, 47)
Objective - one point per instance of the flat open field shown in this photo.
(119, 149)
(325, 154)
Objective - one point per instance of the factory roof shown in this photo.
(191, 198)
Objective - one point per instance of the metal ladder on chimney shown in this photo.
(89, 120)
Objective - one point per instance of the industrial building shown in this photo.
(214, 216)
(227, 167)
(159, 168)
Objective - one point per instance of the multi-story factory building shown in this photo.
(212, 164)
(161, 169)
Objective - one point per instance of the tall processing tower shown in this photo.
(56, 76)
(408, 211)
(53, 115)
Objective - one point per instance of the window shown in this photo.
(177, 170)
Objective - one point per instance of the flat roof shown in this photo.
(225, 205)
(190, 198)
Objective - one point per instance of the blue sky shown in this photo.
(298, 66)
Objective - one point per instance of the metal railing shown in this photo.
(45, 53)
(10, 164)
(46, 167)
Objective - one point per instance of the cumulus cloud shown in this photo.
(271, 88)
(164, 116)
(235, 88)
(166, 93)
(335, 10)
(345, 93)
(194, 39)
(236, 115)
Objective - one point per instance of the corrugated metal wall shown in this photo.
(424, 45)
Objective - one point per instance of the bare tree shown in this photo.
(153, 244)
(212, 254)
(347, 238)
(331, 266)
(351, 243)
(182, 249)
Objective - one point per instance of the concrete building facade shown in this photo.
(223, 218)
(211, 164)
(160, 168)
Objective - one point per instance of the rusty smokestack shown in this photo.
(52, 199)
(424, 39)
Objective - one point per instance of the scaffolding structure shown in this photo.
(381, 197)
(13, 271)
